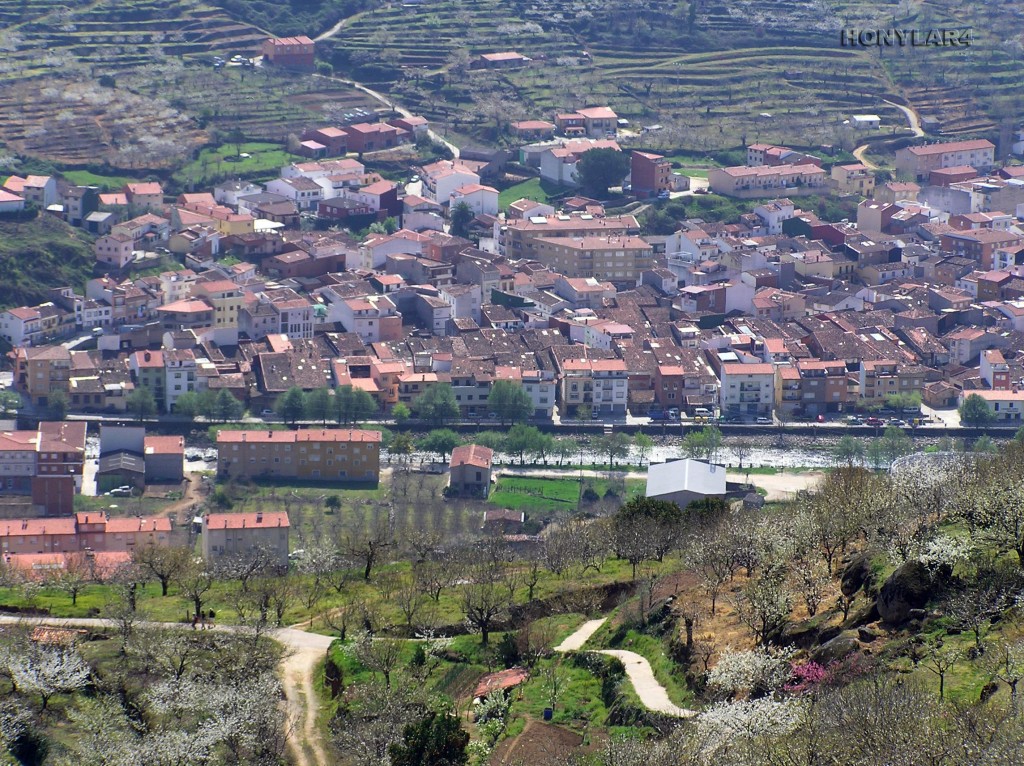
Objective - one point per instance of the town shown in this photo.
(414, 450)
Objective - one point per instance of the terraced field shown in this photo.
(730, 70)
(128, 83)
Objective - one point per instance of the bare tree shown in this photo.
(381, 655)
(165, 563)
(940, 660)
(195, 580)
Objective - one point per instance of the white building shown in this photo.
(442, 178)
(1007, 405)
(747, 389)
(482, 200)
(179, 375)
(304, 192)
(372, 317)
(683, 481)
(866, 121)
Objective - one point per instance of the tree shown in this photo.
(440, 440)
(975, 412)
(437, 405)
(437, 739)
(236, 137)
(354, 404)
(483, 602)
(895, 444)
(401, 445)
(940, 660)
(848, 451)
(742, 448)
(291, 405)
(643, 444)
(57, 404)
(141, 404)
(615, 445)
(461, 217)
(47, 670)
(584, 413)
(703, 444)
(765, 604)
(645, 528)
(521, 440)
(165, 563)
(381, 655)
(187, 405)
(77, 572)
(599, 169)
(319, 405)
(226, 407)
(372, 718)
(904, 401)
(367, 547)
(401, 413)
(510, 402)
(195, 580)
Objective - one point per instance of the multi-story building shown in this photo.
(41, 372)
(880, 378)
(147, 367)
(994, 369)
(290, 52)
(229, 536)
(373, 318)
(916, 162)
(46, 462)
(1007, 406)
(768, 181)
(313, 454)
(747, 389)
(649, 174)
(600, 384)
(179, 375)
(517, 237)
(470, 474)
(854, 179)
(811, 387)
(593, 121)
(225, 297)
(611, 257)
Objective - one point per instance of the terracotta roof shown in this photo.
(164, 445)
(472, 454)
(291, 437)
(503, 679)
(257, 520)
(952, 146)
(37, 527)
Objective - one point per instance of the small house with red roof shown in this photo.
(470, 471)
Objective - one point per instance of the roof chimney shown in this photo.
(259, 517)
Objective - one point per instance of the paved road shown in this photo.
(305, 650)
(651, 693)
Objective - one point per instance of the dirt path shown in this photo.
(915, 126)
(651, 693)
(303, 652)
(780, 486)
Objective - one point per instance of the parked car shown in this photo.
(672, 414)
(764, 421)
(266, 413)
(873, 421)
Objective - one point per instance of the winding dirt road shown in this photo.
(651, 693)
(915, 126)
(304, 651)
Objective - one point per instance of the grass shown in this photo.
(88, 178)
(535, 189)
(531, 494)
(38, 254)
(218, 162)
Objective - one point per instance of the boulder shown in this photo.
(802, 635)
(909, 587)
(836, 650)
(856, 575)
(867, 634)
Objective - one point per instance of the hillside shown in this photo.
(712, 73)
(130, 85)
(40, 254)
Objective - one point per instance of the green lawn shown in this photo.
(534, 189)
(530, 494)
(219, 162)
(88, 178)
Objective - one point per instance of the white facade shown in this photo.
(482, 200)
(747, 389)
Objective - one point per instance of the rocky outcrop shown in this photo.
(906, 590)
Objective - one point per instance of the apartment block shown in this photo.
(310, 455)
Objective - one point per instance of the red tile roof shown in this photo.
(472, 454)
(257, 520)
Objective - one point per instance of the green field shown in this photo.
(88, 178)
(551, 495)
(216, 163)
(535, 189)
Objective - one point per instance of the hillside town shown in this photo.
(778, 314)
(544, 439)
